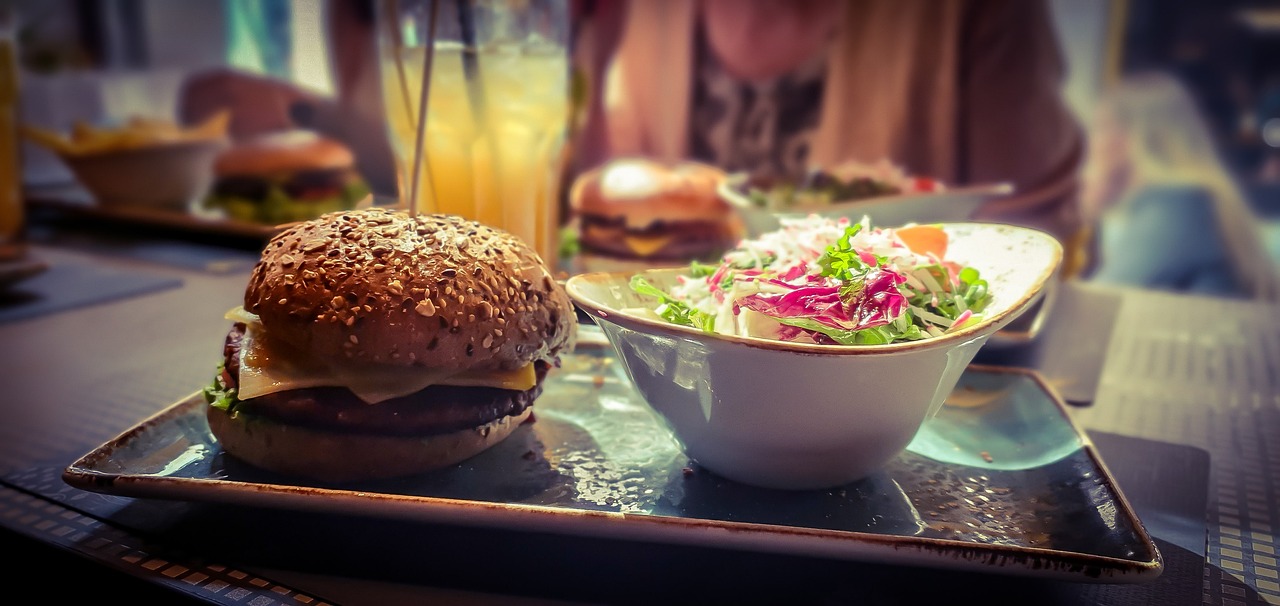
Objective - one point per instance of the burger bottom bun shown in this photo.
(337, 457)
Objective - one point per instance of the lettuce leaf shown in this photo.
(673, 310)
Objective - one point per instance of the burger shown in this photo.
(284, 177)
(373, 344)
(635, 208)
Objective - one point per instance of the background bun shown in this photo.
(644, 191)
(346, 457)
(438, 291)
(283, 152)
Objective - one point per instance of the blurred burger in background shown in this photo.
(286, 176)
(639, 209)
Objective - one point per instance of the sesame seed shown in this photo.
(488, 341)
(354, 339)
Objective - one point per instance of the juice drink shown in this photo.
(11, 211)
(494, 156)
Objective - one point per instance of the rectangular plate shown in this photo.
(999, 481)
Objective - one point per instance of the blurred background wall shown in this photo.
(1225, 54)
(106, 60)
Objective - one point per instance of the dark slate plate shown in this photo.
(1001, 481)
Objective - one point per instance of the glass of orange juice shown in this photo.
(12, 230)
(497, 109)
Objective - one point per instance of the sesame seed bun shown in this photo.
(283, 152)
(377, 293)
(377, 286)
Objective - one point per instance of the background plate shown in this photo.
(954, 205)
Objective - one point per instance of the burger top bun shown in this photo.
(377, 286)
(644, 191)
(283, 152)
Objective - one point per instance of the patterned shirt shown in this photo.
(760, 127)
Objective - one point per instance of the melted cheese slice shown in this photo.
(268, 367)
(642, 246)
(646, 245)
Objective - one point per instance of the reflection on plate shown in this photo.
(597, 463)
(992, 422)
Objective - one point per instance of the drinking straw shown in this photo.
(470, 62)
(418, 158)
(397, 43)
(477, 100)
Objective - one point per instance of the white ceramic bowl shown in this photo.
(804, 416)
(948, 206)
(168, 176)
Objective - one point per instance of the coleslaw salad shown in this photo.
(828, 281)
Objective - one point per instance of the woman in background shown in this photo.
(966, 92)
(1171, 216)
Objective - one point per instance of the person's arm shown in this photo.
(258, 104)
(1016, 125)
(1167, 238)
(597, 27)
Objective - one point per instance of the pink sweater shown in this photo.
(967, 91)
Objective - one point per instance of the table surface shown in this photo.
(1144, 377)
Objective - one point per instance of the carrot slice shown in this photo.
(924, 239)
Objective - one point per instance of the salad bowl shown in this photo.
(803, 415)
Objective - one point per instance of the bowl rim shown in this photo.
(150, 148)
(986, 327)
